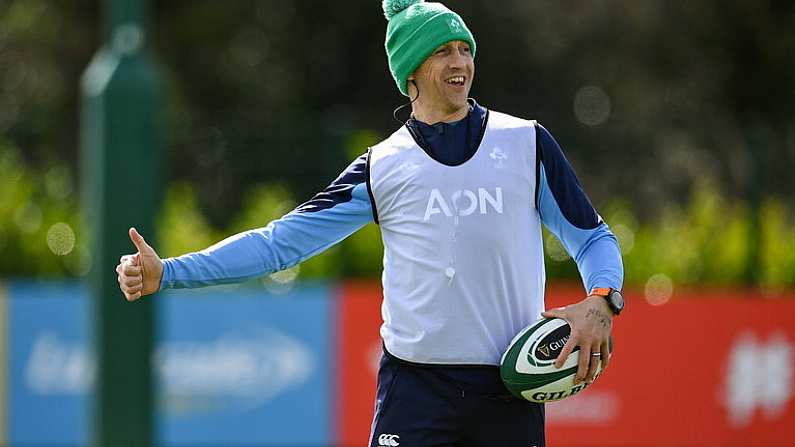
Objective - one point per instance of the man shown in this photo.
(459, 193)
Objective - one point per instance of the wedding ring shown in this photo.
(596, 354)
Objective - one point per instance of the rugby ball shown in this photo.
(527, 367)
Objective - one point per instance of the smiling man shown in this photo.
(460, 194)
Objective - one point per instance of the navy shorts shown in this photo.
(443, 406)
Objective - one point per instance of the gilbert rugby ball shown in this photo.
(527, 367)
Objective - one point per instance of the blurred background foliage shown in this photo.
(677, 116)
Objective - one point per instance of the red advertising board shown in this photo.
(703, 369)
(359, 349)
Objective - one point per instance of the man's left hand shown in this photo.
(591, 322)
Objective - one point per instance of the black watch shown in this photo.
(614, 298)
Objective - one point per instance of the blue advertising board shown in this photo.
(234, 366)
(237, 368)
(50, 372)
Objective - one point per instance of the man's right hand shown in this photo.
(139, 274)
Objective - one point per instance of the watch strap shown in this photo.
(601, 291)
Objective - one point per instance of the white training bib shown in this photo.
(463, 254)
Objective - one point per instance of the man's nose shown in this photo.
(457, 59)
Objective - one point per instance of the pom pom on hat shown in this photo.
(392, 7)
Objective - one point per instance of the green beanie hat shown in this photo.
(415, 29)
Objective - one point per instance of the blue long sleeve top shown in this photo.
(346, 205)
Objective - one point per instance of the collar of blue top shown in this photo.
(453, 143)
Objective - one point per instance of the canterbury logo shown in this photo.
(388, 440)
(463, 203)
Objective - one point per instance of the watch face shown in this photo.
(616, 300)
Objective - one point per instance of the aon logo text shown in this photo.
(464, 202)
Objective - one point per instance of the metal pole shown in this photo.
(121, 163)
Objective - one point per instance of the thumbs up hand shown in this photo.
(139, 274)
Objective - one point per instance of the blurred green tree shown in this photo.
(677, 117)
